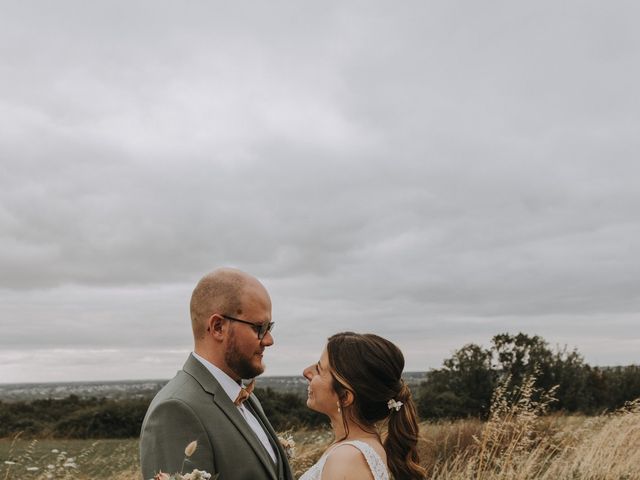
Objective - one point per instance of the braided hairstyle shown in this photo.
(371, 368)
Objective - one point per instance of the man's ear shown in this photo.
(215, 326)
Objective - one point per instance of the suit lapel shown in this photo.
(234, 415)
(257, 412)
(194, 368)
(282, 456)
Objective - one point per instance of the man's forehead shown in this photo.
(256, 294)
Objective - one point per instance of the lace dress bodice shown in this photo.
(377, 466)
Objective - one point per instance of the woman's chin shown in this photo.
(310, 404)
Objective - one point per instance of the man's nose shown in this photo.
(267, 340)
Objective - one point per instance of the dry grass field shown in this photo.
(517, 442)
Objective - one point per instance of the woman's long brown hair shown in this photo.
(371, 368)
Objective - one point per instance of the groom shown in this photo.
(231, 322)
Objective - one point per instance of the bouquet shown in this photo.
(193, 475)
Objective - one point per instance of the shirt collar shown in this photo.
(228, 384)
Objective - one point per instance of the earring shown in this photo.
(338, 403)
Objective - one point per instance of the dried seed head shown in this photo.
(191, 448)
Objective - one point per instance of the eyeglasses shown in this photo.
(260, 328)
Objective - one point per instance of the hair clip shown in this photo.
(392, 404)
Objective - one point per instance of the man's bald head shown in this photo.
(220, 291)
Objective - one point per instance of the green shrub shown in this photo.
(109, 420)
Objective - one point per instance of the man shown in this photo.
(231, 322)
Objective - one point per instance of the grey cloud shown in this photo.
(436, 173)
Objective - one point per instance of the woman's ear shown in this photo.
(347, 398)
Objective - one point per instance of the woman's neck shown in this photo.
(355, 431)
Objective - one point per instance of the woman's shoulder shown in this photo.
(346, 461)
(354, 460)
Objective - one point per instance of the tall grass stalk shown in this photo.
(520, 442)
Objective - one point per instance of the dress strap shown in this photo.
(376, 464)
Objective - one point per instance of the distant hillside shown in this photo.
(147, 388)
(13, 392)
(298, 384)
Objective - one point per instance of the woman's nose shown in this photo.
(308, 373)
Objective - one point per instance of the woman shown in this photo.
(357, 383)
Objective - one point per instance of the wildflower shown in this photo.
(188, 451)
(194, 475)
(191, 448)
(288, 445)
(197, 475)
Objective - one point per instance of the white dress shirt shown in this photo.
(232, 389)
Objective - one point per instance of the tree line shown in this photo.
(462, 388)
(76, 417)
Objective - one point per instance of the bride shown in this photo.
(357, 384)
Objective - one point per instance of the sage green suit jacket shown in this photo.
(193, 406)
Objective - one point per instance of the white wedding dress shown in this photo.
(377, 466)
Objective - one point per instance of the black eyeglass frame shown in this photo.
(260, 328)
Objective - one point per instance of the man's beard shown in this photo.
(240, 364)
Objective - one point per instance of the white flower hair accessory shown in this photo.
(394, 405)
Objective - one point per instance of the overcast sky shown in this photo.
(434, 172)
